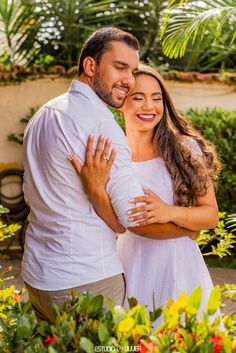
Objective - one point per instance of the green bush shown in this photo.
(219, 126)
(85, 326)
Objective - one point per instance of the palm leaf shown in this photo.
(231, 222)
(187, 20)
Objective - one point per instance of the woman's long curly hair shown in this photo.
(173, 141)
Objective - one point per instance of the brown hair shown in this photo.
(100, 42)
(174, 139)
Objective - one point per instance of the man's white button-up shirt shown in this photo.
(67, 243)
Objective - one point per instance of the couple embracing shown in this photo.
(85, 181)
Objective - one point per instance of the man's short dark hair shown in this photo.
(99, 42)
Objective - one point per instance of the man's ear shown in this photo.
(89, 65)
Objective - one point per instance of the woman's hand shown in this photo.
(96, 169)
(155, 210)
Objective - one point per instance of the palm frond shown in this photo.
(187, 20)
(231, 222)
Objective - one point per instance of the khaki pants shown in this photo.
(42, 301)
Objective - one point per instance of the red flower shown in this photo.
(217, 340)
(147, 347)
(160, 333)
(142, 348)
(51, 340)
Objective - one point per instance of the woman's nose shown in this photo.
(148, 104)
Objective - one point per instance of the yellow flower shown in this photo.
(234, 345)
(7, 292)
(126, 325)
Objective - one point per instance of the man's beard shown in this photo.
(103, 92)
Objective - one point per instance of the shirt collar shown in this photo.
(77, 86)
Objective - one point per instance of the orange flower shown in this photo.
(16, 297)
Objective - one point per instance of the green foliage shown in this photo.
(41, 33)
(219, 239)
(187, 20)
(19, 24)
(7, 231)
(18, 138)
(85, 326)
(230, 291)
(219, 126)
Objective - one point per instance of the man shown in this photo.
(67, 244)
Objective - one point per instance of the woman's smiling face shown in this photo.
(143, 108)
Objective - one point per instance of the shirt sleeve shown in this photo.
(123, 183)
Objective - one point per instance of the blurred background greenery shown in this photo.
(46, 32)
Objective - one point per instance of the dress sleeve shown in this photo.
(194, 146)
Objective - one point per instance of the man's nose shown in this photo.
(128, 80)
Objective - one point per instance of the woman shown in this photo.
(180, 167)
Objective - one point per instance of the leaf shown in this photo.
(86, 345)
(103, 333)
(52, 350)
(185, 22)
(118, 315)
(194, 301)
(3, 209)
(214, 301)
(154, 315)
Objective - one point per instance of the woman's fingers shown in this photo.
(143, 216)
(138, 209)
(111, 159)
(75, 162)
(89, 151)
(150, 193)
(141, 199)
(106, 150)
(101, 154)
(98, 151)
(146, 222)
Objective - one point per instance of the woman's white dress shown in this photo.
(156, 270)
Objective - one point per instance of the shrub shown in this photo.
(85, 326)
(219, 126)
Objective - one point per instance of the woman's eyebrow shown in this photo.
(142, 93)
(137, 93)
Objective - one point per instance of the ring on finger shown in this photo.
(104, 157)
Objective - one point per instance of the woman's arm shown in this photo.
(94, 175)
(203, 216)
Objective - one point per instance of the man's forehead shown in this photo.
(123, 53)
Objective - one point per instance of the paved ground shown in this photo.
(219, 275)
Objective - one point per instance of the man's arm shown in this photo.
(163, 231)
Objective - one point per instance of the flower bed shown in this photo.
(85, 326)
